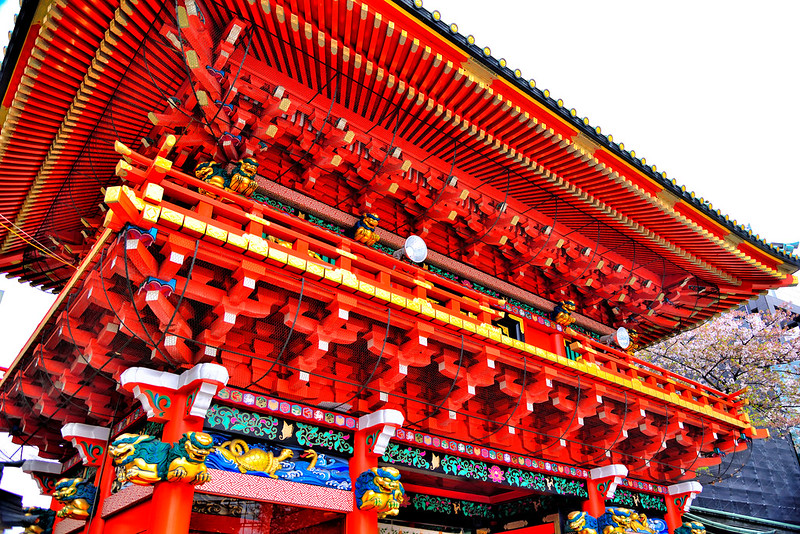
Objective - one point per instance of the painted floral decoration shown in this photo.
(496, 474)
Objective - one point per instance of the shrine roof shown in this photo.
(62, 113)
(499, 66)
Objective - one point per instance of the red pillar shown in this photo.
(104, 480)
(92, 444)
(601, 485)
(679, 499)
(358, 521)
(558, 343)
(180, 402)
(374, 432)
(172, 501)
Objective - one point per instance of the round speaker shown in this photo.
(415, 248)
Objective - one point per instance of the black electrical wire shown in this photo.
(389, 150)
(377, 363)
(499, 215)
(702, 444)
(102, 470)
(111, 306)
(48, 215)
(182, 295)
(152, 343)
(572, 420)
(189, 71)
(621, 430)
(324, 122)
(516, 406)
(449, 392)
(288, 337)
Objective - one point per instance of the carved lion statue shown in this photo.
(582, 523)
(380, 489)
(562, 314)
(188, 458)
(38, 520)
(77, 495)
(613, 521)
(139, 458)
(145, 460)
(621, 520)
(691, 527)
(241, 179)
(365, 229)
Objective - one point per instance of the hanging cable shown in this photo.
(182, 295)
(324, 122)
(702, 444)
(32, 242)
(389, 150)
(104, 466)
(449, 392)
(497, 219)
(621, 430)
(419, 217)
(516, 406)
(288, 337)
(572, 420)
(377, 363)
(152, 343)
(111, 306)
(189, 72)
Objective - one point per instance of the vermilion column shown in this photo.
(558, 343)
(374, 432)
(92, 444)
(180, 402)
(679, 499)
(601, 485)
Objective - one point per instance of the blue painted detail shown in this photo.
(147, 237)
(152, 283)
(329, 471)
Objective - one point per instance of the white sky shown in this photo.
(707, 91)
(21, 309)
(8, 8)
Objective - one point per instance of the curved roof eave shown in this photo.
(527, 88)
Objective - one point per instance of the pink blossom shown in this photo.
(736, 351)
(496, 474)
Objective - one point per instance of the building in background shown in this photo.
(757, 492)
(770, 303)
(311, 251)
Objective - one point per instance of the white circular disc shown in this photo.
(622, 338)
(416, 249)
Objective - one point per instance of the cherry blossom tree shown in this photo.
(741, 350)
